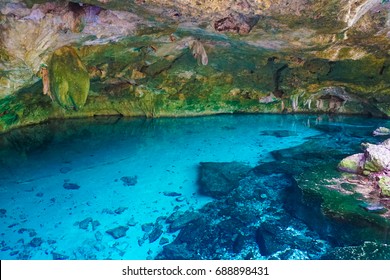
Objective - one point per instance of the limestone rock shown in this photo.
(384, 185)
(69, 79)
(352, 164)
(377, 158)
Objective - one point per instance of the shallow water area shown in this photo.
(65, 185)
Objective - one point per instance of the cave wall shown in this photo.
(177, 58)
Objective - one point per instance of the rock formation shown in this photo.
(250, 56)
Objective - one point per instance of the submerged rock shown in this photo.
(118, 232)
(217, 179)
(71, 186)
(36, 242)
(129, 180)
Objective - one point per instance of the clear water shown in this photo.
(40, 218)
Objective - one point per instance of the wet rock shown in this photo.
(85, 223)
(352, 164)
(184, 219)
(71, 186)
(36, 242)
(156, 233)
(381, 131)
(237, 23)
(129, 180)
(217, 179)
(118, 232)
(171, 194)
(377, 158)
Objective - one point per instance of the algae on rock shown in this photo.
(69, 79)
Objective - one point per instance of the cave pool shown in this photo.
(65, 184)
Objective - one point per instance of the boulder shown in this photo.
(384, 185)
(380, 131)
(69, 79)
(352, 164)
(377, 158)
(118, 232)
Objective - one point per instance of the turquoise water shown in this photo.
(104, 188)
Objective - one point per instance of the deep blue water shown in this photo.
(114, 188)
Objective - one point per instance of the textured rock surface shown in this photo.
(69, 79)
(167, 58)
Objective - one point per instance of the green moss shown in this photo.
(384, 185)
(69, 79)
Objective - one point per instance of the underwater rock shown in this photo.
(85, 223)
(129, 180)
(352, 164)
(367, 251)
(36, 242)
(120, 210)
(171, 194)
(71, 186)
(156, 233)
(184, 219)
(147, 227)
(163, 241)
(69, 79)
(118, 232)
(381, 131)
(217, 179)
